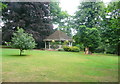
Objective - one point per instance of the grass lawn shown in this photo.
(58, 66)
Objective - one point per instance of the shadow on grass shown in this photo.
(18, 55)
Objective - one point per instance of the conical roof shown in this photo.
(58, 36)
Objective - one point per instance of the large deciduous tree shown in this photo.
(33, 17)
(89, 14)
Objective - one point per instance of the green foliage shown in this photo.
(111, 49)
(60, 49)
(80, 46)
(23, 41)
(89, 14)
(55, 12)
(65, 42)
(55, 44)
(71, 48)
(89, 37)
(8, 43)
(110, 30)
(100, 48)
(33, 17)
(66, 48)
(87, 21)
(66, 25)
(2, 6)
(113, 6)
(5, 46)
(60, 18)
(74, 49)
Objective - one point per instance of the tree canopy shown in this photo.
(110, 31)
(89, 37)
(60, 18)
(89, 14)
(87, 22)
(33, 17)
(22, 40)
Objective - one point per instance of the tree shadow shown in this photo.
(18, 55)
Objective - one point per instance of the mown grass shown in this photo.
(56, 66)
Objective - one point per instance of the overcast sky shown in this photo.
(71, 5)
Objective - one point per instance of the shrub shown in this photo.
(8, 43)
(74, 49)
(4, 46)
(60, 49)
(66, 48)
(71, 49)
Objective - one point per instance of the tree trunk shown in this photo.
(21, 52)
(87, 51)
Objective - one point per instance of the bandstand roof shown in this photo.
(58, 36)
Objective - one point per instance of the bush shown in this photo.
(71, 49)
(66, 48)
(4, 46)
(74, 49)
(8, 44)
(60, 49)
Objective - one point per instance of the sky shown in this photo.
(71, 5)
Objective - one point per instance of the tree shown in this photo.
(89, 14)
(22, 40)
(110, 31)
(55, 12)
(2, 6)
(89, 37)
(66, 25)
(60, 18)
(33, 17)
